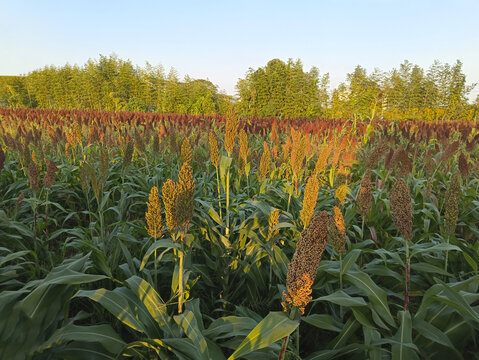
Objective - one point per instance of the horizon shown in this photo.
(374, 34)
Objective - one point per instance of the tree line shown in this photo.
(281, 89)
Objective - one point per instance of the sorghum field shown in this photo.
(163, 236)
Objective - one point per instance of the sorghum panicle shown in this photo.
(337, 231)
(231, 129)
(243, 151)
(365, 195)
(273, 221)
(49, 178)
(451, 204)
(170, 194)
(185, 201)
(310, 198)
(264, 163)
(401, 206)
(153, 214)
(304, 265)
(33, 174)
(340, 193)
(186, 153)
(214, 151)
(464, 167)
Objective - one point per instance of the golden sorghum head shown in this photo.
(451, 204)
(153, 214)
(185, 201)
(306, 258)
(178, 199)
(401, 207)
(243, 151)
(464, 167)
(340, 193)
(264, 163)
(273, 221)
(186, 153)
(214, 151)
(231, 129)
(77, 131)
(286, 148)
(170, 194)
(33, 174)
(300, 295)
(341, 176)
(322, 161)
(337, 231)
(336, 156)
(310, 198)
(49, 178)
(34, 157)
(298, 152)
(365, 195)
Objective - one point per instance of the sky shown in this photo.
(220, 40)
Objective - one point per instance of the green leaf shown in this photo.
(115, 304)
(81, 351)
(159, 244)
(349, 260)
(375, 294)
(323, 321)
(275, 326)
(401, 349)
(102, 334)
(432, 333)
(230, 326)
(150, 298)
(341, 298)
(188, 323)
(225, 163)
(348, 330)
(435, 248)
(10, 257)
(429, 268)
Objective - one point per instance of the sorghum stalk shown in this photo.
(401, 207)
(180, 275)
(228, 202)
(451, 206)
(215, 159)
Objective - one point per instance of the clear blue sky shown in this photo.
(220, 40)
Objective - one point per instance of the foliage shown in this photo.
(84, 274)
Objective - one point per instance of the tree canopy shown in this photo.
(281, 89)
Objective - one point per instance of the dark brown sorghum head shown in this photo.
(49, 178)
(33, 174)
(464, 166)
(451, 204)
(401, 207)
(377, 154)
(304, 265)
(365, 195)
